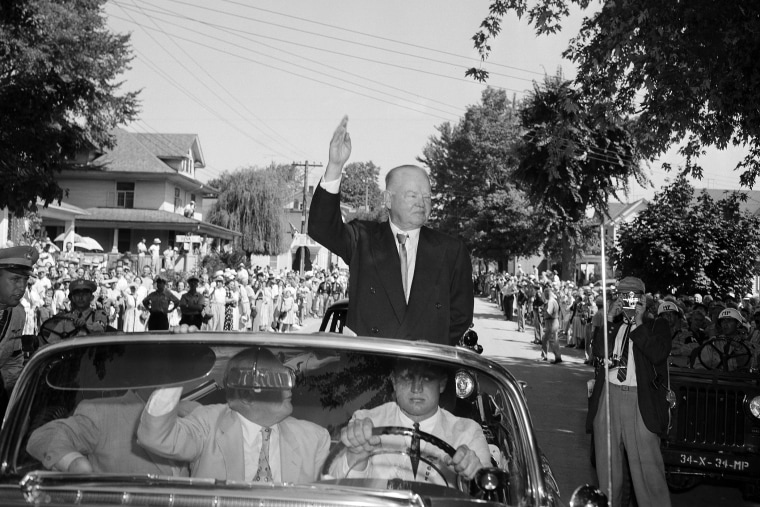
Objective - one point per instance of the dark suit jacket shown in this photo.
(441, 297)
(651, 344)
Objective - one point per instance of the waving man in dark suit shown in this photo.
(406, 280)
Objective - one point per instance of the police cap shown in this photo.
(19, 259)
(82, 284)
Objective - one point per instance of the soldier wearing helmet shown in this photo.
(731, 350)
(82, 319)
(250, 438)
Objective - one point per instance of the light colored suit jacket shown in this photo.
(104, 431)
(455, 431)
(211, 440)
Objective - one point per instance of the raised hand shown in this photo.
(340, 146)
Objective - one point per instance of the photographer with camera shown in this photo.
(636, 380)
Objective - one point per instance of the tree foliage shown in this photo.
(470, 168)
(58, 92)
(252, 202)
(688, 70)
(359, 187)
(572, 159)
(685, 244)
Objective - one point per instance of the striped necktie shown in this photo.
(404, 262)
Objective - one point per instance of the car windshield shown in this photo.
(88, 400)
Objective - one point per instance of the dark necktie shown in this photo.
(623, 368)
(264, 473)
(402, 257)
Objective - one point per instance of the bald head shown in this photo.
(407, 196)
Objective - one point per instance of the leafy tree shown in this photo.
(685, 244)
(688, 70)
(252, 202)
(571, 160)
(58, 66)
(359, 186)
(470, 168)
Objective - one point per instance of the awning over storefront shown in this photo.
(123, 218)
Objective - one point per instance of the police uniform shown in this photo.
(157, 303)
(95, 320)
(14, 262)
(191, 304)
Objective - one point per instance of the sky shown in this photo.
(268, 81)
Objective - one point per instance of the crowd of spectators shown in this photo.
(702, 317)
(243, 298)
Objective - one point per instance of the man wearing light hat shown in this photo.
(155, 255)
(250, 438)
(16, 266)
(637, 387)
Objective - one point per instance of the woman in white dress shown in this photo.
(266, 307)
(288, 309)
(130, 309)
(142, 314)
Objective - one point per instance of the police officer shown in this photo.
(16, 265)
(191, 304)
(159, 303)
(83, 318)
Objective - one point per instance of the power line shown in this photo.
(394, 65)
(348, 41)
(248, 36)
(357, 32)
(178, 61)
(289, 71)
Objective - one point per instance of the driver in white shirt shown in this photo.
(417, 387)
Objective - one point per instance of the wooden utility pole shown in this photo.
(305, 166)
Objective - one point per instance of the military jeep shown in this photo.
(714, 430)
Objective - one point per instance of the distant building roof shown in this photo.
(751, 205)
(619, 211)
(130, 155)
(146, 153)
(172, 145)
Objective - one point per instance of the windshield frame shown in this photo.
(17, 415)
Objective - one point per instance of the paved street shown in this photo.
(558, 404)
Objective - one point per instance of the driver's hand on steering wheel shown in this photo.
(466, 462)
(359, 441)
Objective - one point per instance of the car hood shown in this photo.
(55, 488)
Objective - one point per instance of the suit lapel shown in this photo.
(229, 438)
(389, 268)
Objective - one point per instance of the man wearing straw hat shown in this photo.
(636, 381)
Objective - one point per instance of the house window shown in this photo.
(177, 201)
(125, 194)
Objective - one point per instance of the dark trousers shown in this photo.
(508, 303)
(158, 321)
(192, 320)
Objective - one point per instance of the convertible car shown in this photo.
(70, 393)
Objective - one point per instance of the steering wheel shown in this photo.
(727, 349)
(57, 328)
(413, 451)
